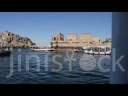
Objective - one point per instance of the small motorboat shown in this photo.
(91, 52)
(86, 51)
(5, 52)
(77, 50)
(108, 52)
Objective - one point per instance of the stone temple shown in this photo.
(72, 40)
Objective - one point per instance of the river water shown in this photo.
(24, 66)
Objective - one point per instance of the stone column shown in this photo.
(119, 69)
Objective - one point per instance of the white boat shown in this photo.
(41, 49)
(104, 52)
(77, 50)
(91, 52)
(86, 51)
(108, 52)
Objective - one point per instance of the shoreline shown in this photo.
(62, 50)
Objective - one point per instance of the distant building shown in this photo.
(73, 40)
(108, 39)
(107, 42)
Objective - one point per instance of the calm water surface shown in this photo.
(79, 74)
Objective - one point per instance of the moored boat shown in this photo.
(42, 49)
(101, 51)
(91, 52)
(4, 51)
(77, 50)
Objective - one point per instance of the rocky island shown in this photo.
(15, 40)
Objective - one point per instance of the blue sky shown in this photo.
(39, 26)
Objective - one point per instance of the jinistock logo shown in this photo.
(86, 62)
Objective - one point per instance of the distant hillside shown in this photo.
(15, 40)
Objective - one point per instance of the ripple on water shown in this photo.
(77, 76)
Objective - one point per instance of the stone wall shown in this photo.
(85, 36)
(72, 37)
(73, 40)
